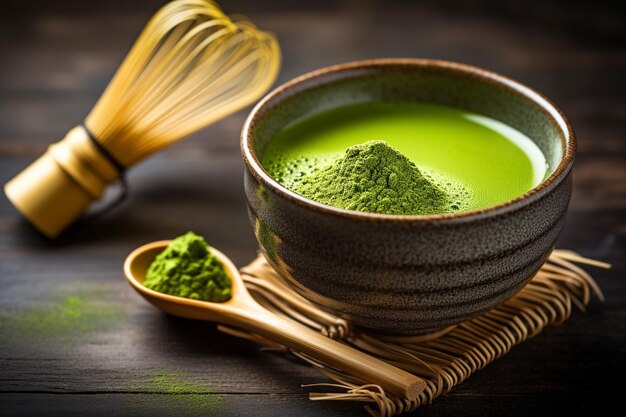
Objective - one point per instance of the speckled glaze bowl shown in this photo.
(408, 274)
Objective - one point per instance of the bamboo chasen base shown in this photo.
(444, 359)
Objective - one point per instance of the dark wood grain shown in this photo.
(58, 56)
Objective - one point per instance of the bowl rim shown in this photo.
(568, 139)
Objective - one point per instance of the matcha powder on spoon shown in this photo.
(373, 177)
(187, 268)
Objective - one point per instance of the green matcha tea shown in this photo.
(404, 158)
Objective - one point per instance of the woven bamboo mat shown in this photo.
(444, 359)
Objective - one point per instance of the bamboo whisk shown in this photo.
(191, 65)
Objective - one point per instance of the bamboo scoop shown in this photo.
(242, 311)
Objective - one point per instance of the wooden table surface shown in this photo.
(104, 359)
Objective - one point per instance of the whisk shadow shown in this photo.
(156, 212)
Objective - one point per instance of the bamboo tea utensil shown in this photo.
(191, 65)
(243, 312)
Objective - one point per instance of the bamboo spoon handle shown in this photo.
(338, 355)
(242, 311)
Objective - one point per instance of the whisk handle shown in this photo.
(58, 187)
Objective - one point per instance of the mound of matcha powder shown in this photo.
(187, 268)
(373, 177)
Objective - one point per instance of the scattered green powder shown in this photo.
(373, 177)
(60, 320)
(187, 268)
(181, 396)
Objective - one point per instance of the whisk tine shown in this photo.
(173, 94)
(191, 66)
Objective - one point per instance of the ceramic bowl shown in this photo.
(408, 274)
